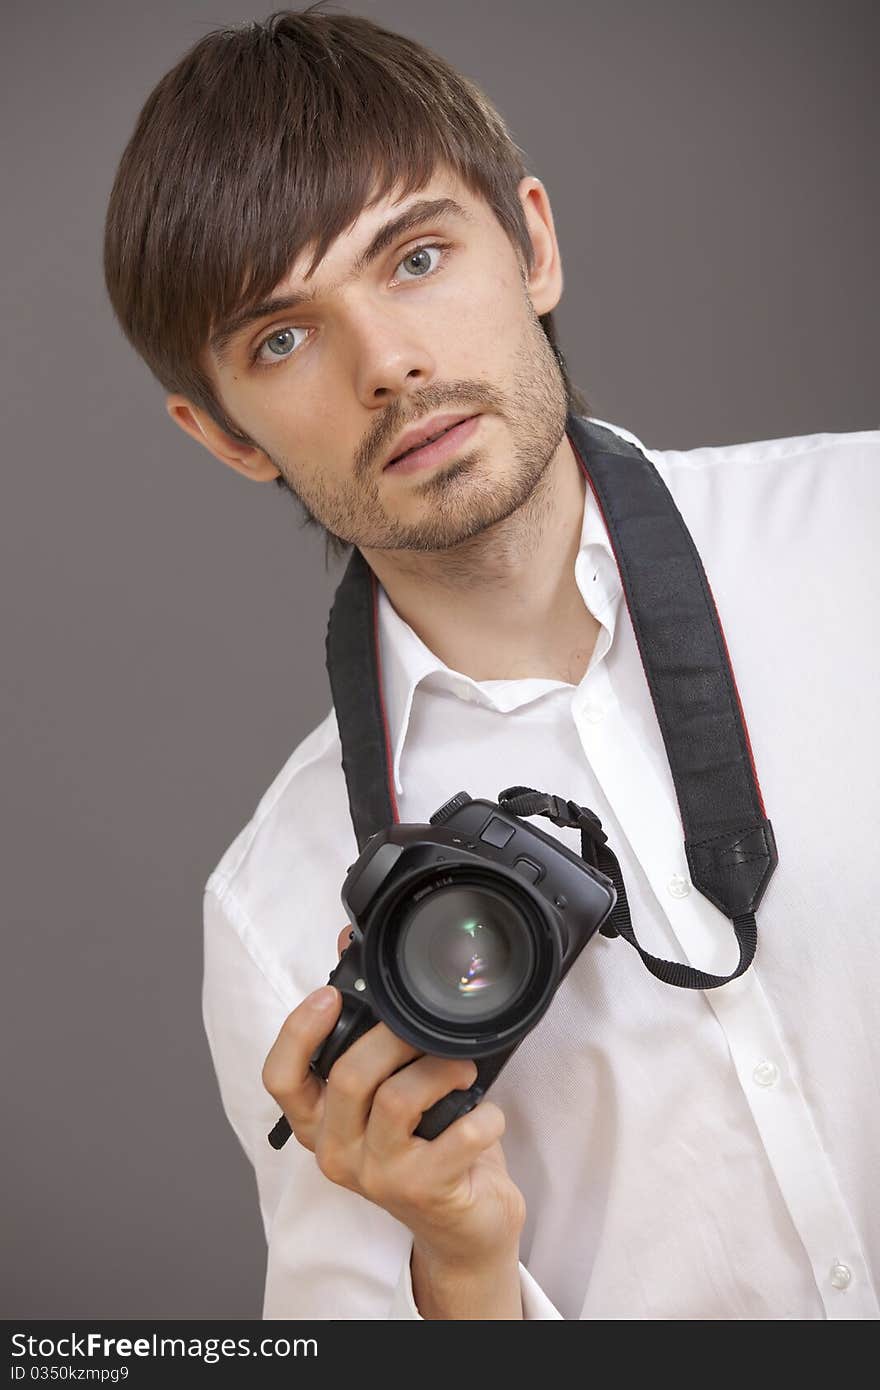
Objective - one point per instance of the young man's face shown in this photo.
(441, 321)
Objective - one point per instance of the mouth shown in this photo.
(436, 449)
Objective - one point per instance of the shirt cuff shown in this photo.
(536, 1304)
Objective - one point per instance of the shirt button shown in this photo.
(678, 886)
(765, 1074)
(841, 1276)
(593, 714)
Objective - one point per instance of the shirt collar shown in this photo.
(407, 662)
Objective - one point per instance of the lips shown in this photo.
(444, 448)
(416, 439)
(422, 442)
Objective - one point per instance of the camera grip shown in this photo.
(441, 1114)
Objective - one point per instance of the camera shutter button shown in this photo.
(529, 871)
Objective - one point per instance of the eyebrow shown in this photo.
(426, 209)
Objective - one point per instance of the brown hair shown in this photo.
(267, 137)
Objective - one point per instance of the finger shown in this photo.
(344, 938)
(454, 1151)
(400, 1102)
(354, 1078)
(287, 1075)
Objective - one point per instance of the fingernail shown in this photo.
(323, 998)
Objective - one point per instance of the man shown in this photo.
(325, 245)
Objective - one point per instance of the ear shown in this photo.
(544, 283)
(246, 459)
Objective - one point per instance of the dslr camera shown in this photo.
(462, 931)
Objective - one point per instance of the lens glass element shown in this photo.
(465, 952)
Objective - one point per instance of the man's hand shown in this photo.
(453, 1192)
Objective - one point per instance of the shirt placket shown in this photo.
(646, 809)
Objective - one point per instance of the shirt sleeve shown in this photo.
(536, 1304)
(331, 1254)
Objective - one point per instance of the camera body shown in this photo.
(462, 931)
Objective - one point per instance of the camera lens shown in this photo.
(464, 952)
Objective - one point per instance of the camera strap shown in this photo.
(595, 850)
(728, 839)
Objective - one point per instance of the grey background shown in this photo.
(711, 168)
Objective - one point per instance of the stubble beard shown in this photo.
(462, 501)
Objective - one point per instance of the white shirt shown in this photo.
(683, 1154)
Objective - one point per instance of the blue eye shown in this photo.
(283, 336)
(420, 251)
(273, 338)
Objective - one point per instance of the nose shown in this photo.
(392, 357)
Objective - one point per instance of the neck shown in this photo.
(504, 605)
